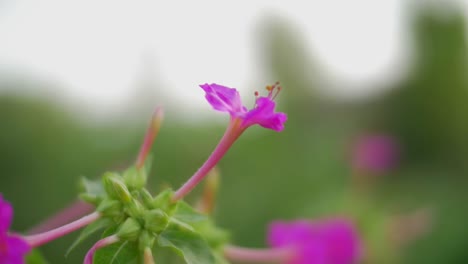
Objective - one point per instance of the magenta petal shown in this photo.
(18, 245)
(325, 242)
(13, 250)
(17, 248)
(6, 215)
(223, 98)
(314, 252)
(283, 233)
(264, 115)
(342, 242)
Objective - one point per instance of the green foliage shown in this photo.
(187, 243)
(88, 231)
(186, 213)
(139, 220)
(123, 252)
(35, 257)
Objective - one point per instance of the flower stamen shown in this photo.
(278, 90)
(271, 89)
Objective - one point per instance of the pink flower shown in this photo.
(227, 99)
(12, 248)
(375, 153)
(324, 242)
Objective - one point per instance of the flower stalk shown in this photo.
(232, 133)
(273, 255)
(42, 238)
(100, 244)
(148, 256)
(73, 212)
(150, 136)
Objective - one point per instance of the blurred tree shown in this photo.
(428, 110)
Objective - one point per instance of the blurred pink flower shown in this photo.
(375, 153)
(333, 241)
(12, 248)
(227, 99)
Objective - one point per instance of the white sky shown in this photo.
(95, 48)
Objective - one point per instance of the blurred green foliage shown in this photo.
(302, 172)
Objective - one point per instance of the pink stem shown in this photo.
(151, 134)
(40, 239)
(71, 213)
(232, 133)
(277, 255)
(148, 256)
(100, 244)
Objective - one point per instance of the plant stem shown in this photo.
(42, 238)
(233, 131)
(148, 256)
(73, 212)
(276, 255)
(151, 134)
(100, 244)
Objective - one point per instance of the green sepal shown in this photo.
(155, 220)
(88, 231)
(145, 197)
(93, 191)
(129, 230)
(110, 207)
(164, 202)
(134, 208)
(186, 243)
(148, 163)
(115, 187)
(35, 257)
(186, 213)
(135, 178)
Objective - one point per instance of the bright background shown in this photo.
(79, 80)
(98, 50)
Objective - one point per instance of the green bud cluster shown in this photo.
(138, 217)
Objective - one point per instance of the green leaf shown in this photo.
(215, 236)
(122, 252)
(135, 179)
(89, 230)
(35, 257)
(186, 213)
(163, 201)
(187, 244)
